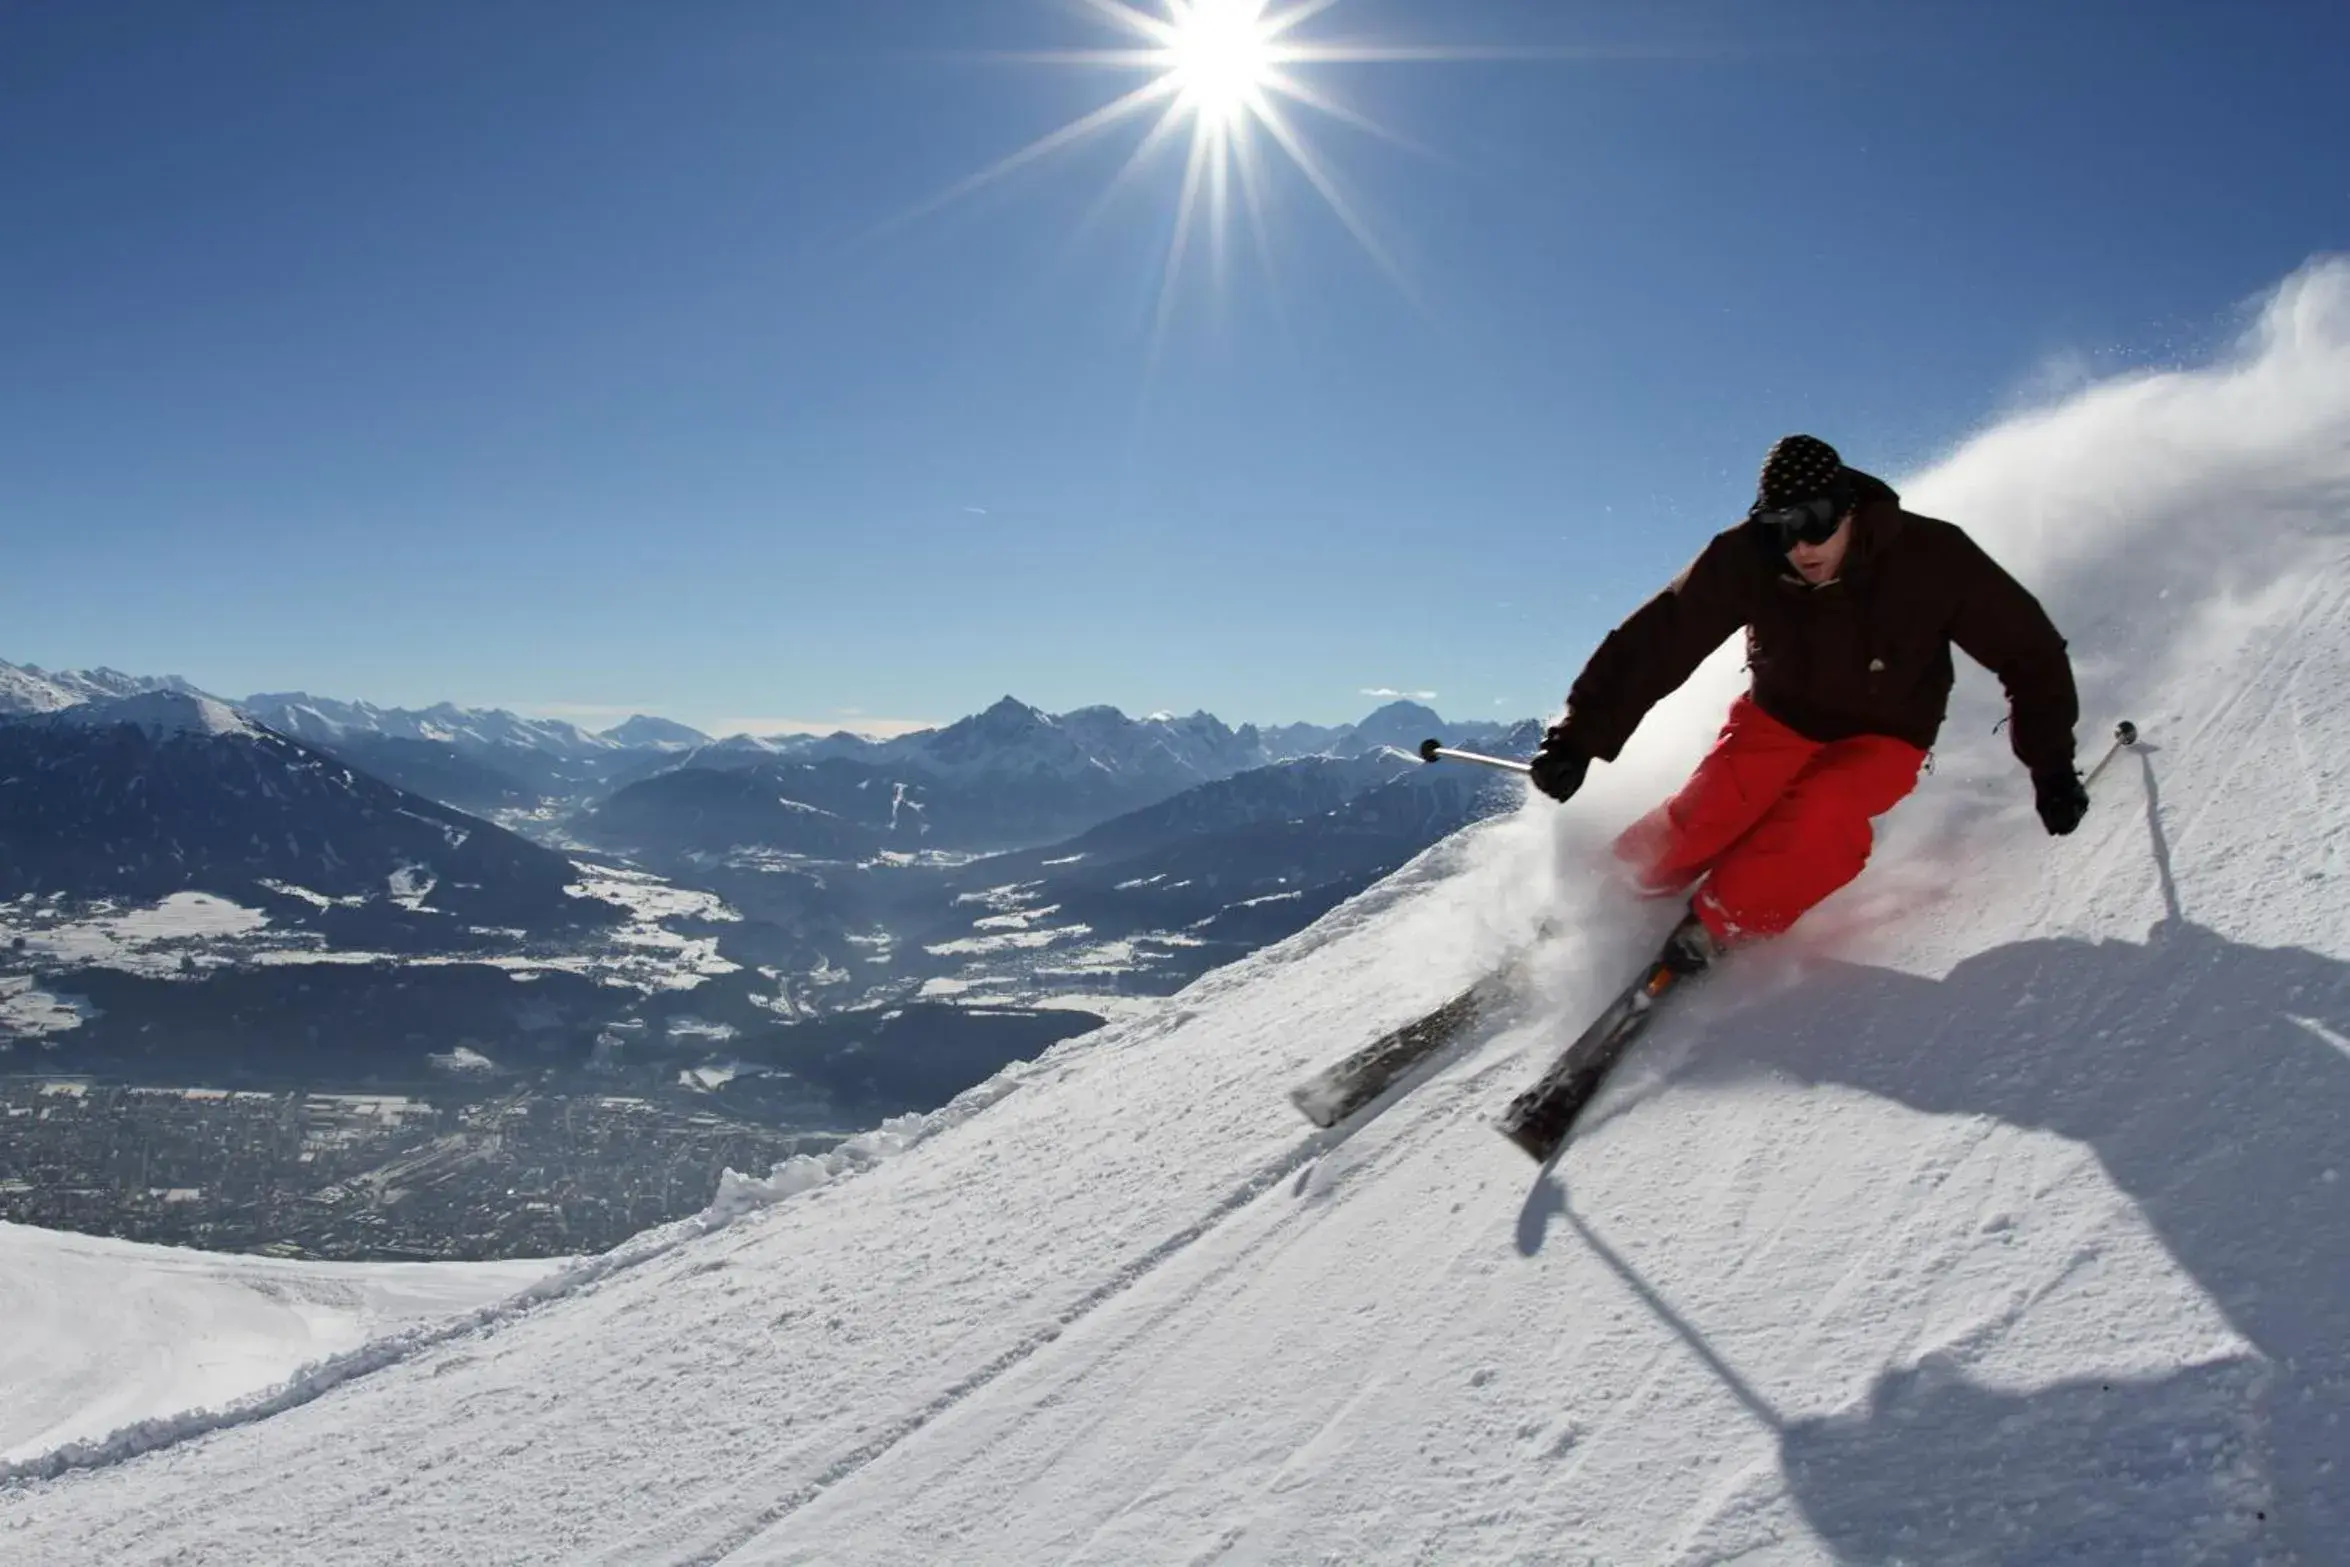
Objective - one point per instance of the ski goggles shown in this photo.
(1806, 522)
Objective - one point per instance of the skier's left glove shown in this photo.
(1558, 768)
(2061, 798)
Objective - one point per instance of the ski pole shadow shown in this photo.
(2211, 1079)
(1545, 1201)
(2172, 913)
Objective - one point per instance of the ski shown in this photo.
(1346, 1085)
(1539, 1119)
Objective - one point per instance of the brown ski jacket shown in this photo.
(1865, 654)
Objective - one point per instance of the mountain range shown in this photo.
(732, 888)
(143, 796)
(1010, 735)
(1011, 776)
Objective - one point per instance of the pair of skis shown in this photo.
(1540, 1119)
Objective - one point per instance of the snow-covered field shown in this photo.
(198, 930)
(2002, 1214)
(103, 1334)
(148, 939)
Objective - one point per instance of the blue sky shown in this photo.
(582, 357)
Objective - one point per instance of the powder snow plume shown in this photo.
(2157, 515)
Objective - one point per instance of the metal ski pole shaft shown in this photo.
(2125, 734)
(1438, 751)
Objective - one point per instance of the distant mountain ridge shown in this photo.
(163, 792)
(28, 688)
(659, 733)
(1009, 778)
(1006, 778)
(325, 721)
(1009, 736)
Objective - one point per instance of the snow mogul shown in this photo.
(1850, 606)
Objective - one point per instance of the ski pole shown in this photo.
(2125, 733)
(1438, 751)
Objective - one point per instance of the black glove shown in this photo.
(2061, 797)
(1558, 767)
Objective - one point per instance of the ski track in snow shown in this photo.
(1996, 1216)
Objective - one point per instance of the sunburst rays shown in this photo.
(1226, 80)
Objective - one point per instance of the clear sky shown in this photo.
(595, 357)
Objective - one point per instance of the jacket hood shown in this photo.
(1871, 489)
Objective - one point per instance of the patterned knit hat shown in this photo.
(1798, 468)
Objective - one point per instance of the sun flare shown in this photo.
(1225, 80)
(1221, 55)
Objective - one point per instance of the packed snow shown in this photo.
(104, 1334)
(1996, 1215)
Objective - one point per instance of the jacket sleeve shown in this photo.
(1646, 658)
(2001, 626)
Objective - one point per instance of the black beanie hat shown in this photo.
(1798, 468)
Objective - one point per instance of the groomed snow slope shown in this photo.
(103, 1333)
(2001, 1215)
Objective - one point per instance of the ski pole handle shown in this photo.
(2125, 733)
(1438, 751)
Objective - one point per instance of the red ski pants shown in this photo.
(1772, 821)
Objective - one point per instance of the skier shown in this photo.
(1850, 606)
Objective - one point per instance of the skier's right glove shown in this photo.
(2061, 798)
(1558, 767)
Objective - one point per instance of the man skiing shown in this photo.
(1851, 606)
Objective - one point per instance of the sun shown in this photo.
(1225, 80)
(1221, 57)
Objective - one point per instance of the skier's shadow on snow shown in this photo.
(2212, 1081)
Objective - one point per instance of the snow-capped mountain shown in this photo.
(324, 721)
(1284, 741)
(28, 688)
(1047, 775)
(23, 691)
(164, 792)
(160, 715)
(1199, 745)
(1165, 894)
(1008, 778)
(660, 734)
(1402, 725)
(758, 748)
(99, 685)
(1013, 739)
